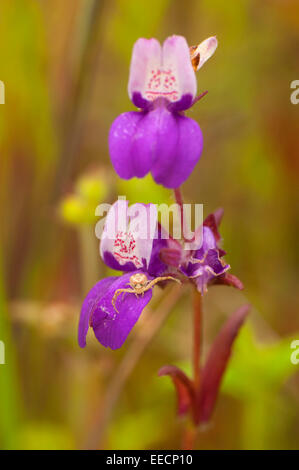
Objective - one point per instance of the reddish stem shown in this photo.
(197, 327)
(179, 200)
(199, 97)
(190, 433)
(197, 304)
(189, 438)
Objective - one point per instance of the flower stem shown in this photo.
(179, 200)
(197, 327)
(191, 431)
(190, 434)
(189, 438)
(197, 304)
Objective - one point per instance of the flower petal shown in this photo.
(111, 328)
(146, 58)
(156, 266)
(208, 270)
(172, 169)
(127, 239)
(121, 136)
(181, 77)
(214, 265)
(137, 142)
(201, 53)
(155, 139)
(162, 73)
(89, 304)
(195, 266)
(208, 242)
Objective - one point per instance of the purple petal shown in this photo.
(137, 142)
(137, 139)
(214, 265)
(193, 268)
(209, 270)
(146, 57)
(171, 170)
(111, 328)
(127, 239)
(208, 242)
(156, 266)
(121, 136)
(154, 140)
(89, 304)
(166, 143)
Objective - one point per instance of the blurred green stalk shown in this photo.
(9, 389)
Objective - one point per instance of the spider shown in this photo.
(139, 284)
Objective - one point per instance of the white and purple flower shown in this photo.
(132, 242)
(114, 304)
(159, 138)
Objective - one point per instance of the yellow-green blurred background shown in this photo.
(65, 68)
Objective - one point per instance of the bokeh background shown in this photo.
(65, 68)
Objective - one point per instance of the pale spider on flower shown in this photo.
(139, 284)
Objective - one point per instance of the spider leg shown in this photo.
(159, 279)
(116, 294)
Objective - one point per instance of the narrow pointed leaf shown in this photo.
(217, 362)
(210, 221)
(183, 385)
(229, 280)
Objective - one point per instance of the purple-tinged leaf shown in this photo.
(210, 221)
(218, 214)
(229, 280)
(183, 385)
(217, 362)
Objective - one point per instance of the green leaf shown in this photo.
(257, 368)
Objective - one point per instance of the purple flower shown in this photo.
(134, 242)
(114, 304)
(111, 327)
(203, 265)
(159, 138)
